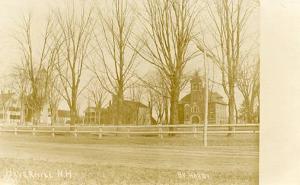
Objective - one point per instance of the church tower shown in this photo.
(196, 88)
(196, 100)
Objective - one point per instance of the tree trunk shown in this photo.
(166, 108)
(174, 106)
(22, 116)
(73, 113)
(236, 113)
(174, 109)
(250, 112)
(119, 113)
(231, 106)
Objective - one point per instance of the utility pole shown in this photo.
(205, 103)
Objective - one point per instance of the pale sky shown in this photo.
(11, 12)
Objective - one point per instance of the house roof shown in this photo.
(212, 97)
(129, 103)
(126, 103)
(186, 99)
(134, 103)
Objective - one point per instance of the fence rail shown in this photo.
(159, 130)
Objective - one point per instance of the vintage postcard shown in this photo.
(135, 92)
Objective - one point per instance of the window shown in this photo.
(186, 108)
(195, 109)
(195, 87)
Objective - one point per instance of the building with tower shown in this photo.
(192, 106)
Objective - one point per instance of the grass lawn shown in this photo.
(25, 159)
(103, 174)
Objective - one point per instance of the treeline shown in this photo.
(82, 50)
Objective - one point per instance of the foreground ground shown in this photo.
(25, 159)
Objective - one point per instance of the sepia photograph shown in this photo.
(130, 92)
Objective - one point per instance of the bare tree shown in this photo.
(136, 92)
(54, 98)
(20, 85)
(228, 21)
(158, 97)
(157, 89)
(119, 63)
(170, 25)
(36, 66)
(75, 25)
(159, 105)
(98, 95)
(249, 84)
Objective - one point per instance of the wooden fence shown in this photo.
(130, 130)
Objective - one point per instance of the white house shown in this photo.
(10, 108)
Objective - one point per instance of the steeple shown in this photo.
(196, 82)
(196, 88)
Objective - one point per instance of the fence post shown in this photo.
(195, 130)
(160, 132)
(33, 131)
(128, 132)
(53, 131)
(75, 131)
(256, 129)
(205, 134)
(16, 129)
(233, 128)
(100, 132)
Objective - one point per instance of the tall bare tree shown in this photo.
(98, 96)
(20, 85)
(75, 25)
(249, 85)
(158, 98)
(36, 65)
(170, 29)
(118, 59)
(136, 92)
(54, 98)
(225, 43)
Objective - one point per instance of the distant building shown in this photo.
(133, 113)
(10, 108)
(92, 115)
(192, 106)
(62, 117)
(11, 111)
